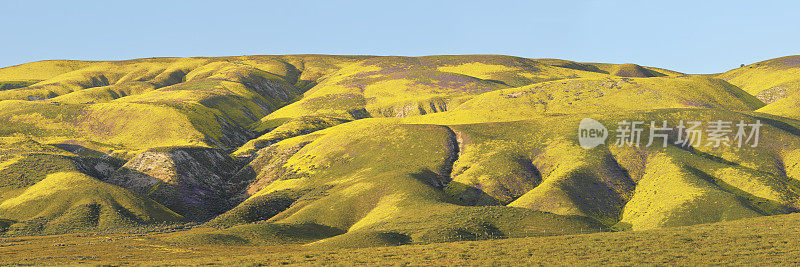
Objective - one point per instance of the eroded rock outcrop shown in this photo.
(191, 181)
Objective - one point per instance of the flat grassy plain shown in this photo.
(762, 241)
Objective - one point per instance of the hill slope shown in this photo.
(357, 151)
(763, 240)
(769, 80)
(70, 201)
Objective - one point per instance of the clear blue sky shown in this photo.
(688, 36)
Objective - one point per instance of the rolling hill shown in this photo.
(361, 151)
(769, 80)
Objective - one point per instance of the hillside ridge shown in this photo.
(358, 151)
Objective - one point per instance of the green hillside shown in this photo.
(769, 80)
(329, 152)
(72, 201)
(758, 241)
(769, 240)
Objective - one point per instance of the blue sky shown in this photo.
(688, 36)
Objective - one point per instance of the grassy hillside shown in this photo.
(402, 86)
(41, 70)
(72, 201)
(769, 80)
(330, 152)
(775, 81)
(786, 107)
(198, 101)
(486, 174)
(598, 95)
(764, 240)
(336, 180)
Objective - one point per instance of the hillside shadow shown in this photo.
(780, 125)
